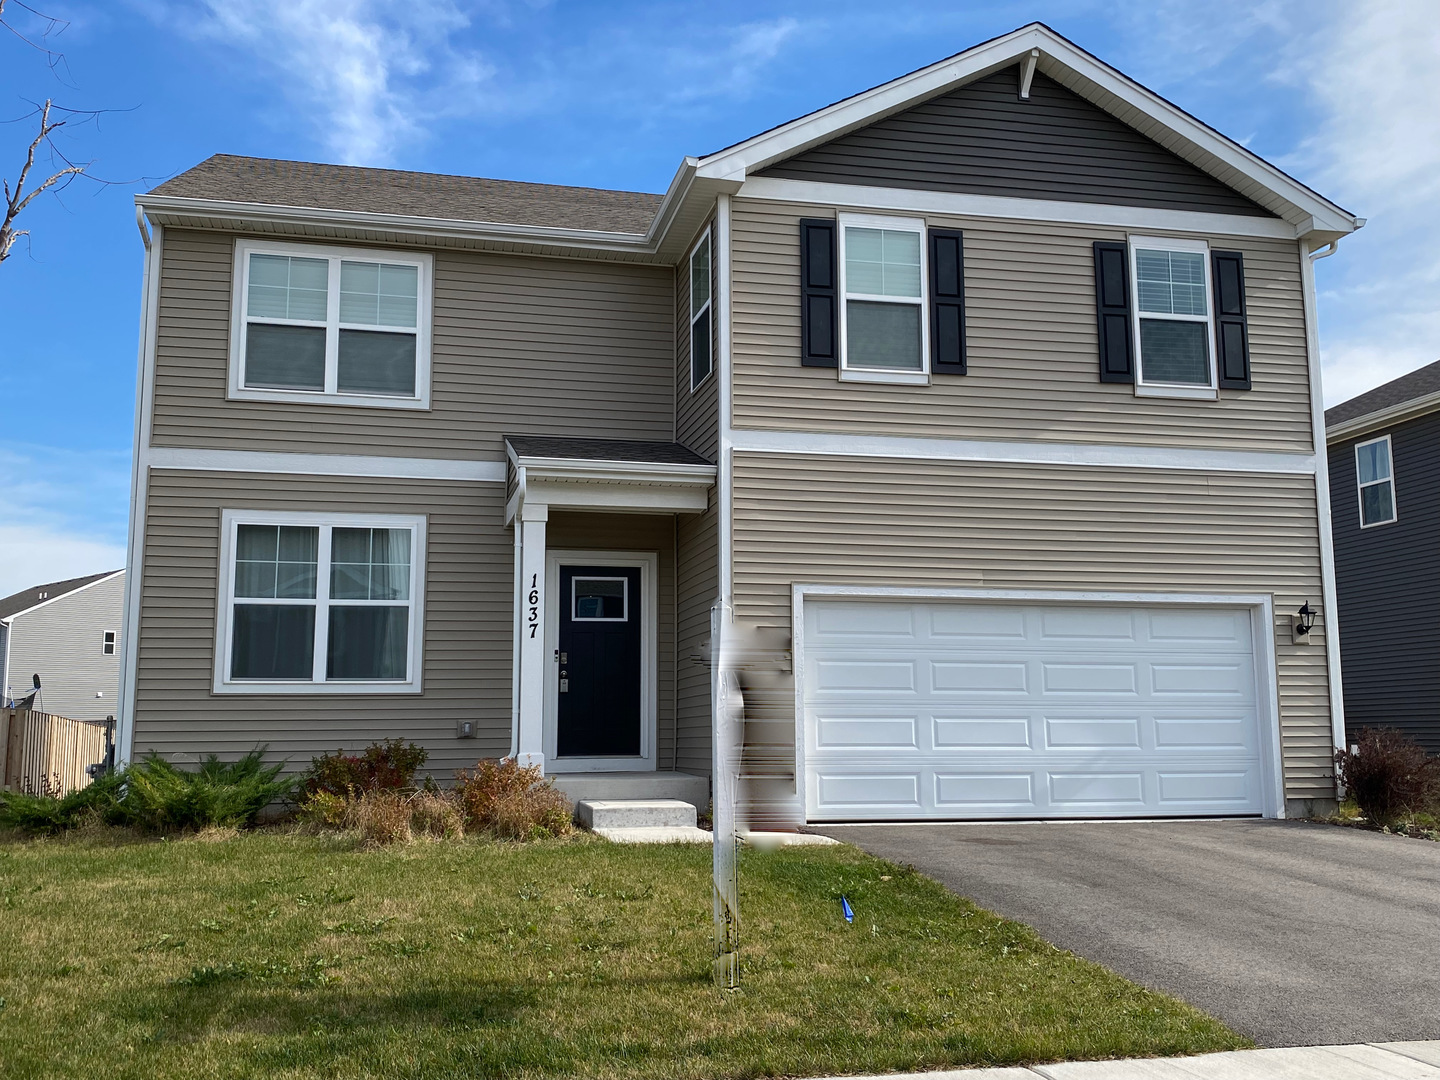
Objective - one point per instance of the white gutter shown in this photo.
(139, 486)
(1329, 591)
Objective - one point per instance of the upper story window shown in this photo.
(701, 338)
(336, 325)
(1375, 477)
(884, 333)
(320, 603)
(107, 643)
(1173, 325)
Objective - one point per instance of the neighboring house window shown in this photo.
(701, 338)
(884, 334)
(107, 644)
(1173, 326)
(320, 602)
(1373, 469)
(331, 324)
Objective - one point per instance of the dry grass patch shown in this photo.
(280, 954)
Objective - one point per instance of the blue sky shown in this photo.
(1342, 95)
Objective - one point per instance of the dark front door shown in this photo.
(599, 669)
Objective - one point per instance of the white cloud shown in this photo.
(65, 514)
(370, 75)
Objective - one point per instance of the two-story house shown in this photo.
(994, 387)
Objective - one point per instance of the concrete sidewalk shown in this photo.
(1358, 1061)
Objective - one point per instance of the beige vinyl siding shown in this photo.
(881, 522)
(698, 587)
(62, 643)
(574, 531)
(522, 346)
(1032, 344)
(696, 412)
(467, 639)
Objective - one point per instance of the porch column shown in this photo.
(534, 666)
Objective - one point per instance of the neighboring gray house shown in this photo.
(1385, 504)
(995, 388)
(67, 633)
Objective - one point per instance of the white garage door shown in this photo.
(995, 710)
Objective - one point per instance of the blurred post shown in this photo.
(728, 708)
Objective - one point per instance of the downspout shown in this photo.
(1328, 587)
(139, 487)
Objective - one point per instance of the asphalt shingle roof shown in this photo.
(651, 453)
(28, 598)
(1417, 384)
(229, 178)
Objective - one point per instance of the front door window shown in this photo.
(599, 696)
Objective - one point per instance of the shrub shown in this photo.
(388, 765)
(381, 816)
(514, 803)
(161, 797)
(437, 815)
(1389, 775)
(99, 802)
(324, 808)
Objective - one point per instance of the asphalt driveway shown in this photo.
(1294, 934)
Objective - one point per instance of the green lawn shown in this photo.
(280, 955)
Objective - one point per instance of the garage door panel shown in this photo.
(999, 710)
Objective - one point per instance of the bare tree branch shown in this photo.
(18, 199)
(50, 26)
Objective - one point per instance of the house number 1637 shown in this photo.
(533, 618)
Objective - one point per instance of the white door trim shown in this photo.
(1262, 624)
(649, 565)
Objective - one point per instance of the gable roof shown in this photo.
(1400, 399)
(25, 599)
(385, 205)
(430, 195)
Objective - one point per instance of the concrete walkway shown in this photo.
(1358, 1061)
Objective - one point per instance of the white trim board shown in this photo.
(262, 461)
(954, 204)
(1030, 453)
(1262, 625)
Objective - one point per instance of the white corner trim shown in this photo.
(1328, 589)
(954, 204)
(139, 488)
(1029, 453)
(8, 619)
(1260, 605)
(1387, 417)
(262, 461)
(725, 479)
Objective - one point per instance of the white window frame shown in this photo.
(1360, 487)
(239, 323)
(844, 222)
(109, 641)
(1149, 388)
(705, 238)
(231, 520)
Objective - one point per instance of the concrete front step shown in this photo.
(579, 787)
(600, 814)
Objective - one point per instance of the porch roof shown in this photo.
(604, 474)
(563, 449)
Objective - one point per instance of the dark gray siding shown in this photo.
(983, 140)
(1389, 586)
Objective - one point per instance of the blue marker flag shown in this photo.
(845, 907)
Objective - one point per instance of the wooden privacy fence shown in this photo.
(50, 755)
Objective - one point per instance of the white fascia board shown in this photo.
(63, 596)
(1057, 57)
(260, 461)
(1022, 453)
(584, 470)
(1394, 414)
(956, 204)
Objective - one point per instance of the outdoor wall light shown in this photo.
(1301, 623)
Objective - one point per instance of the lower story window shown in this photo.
(316, 602)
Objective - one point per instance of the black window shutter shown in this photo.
(947, 302)
(1232, 334)
(1112, 306)
(819, 311)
